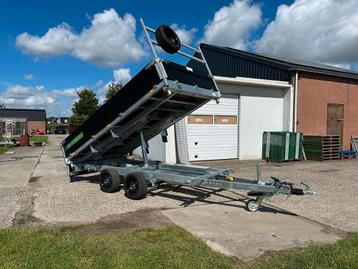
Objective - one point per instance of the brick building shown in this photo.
(263, 93)
(327, 105)
(15, 122)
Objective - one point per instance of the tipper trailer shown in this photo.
(161, 94)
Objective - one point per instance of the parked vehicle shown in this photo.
(60, 129)
(38, 132)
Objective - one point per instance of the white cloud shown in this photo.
(122, 75)
(232, 25)
(102, 91)
(110, 40)
(185, 36)
(29, 77)
(314, 30)
(29, 97)
(58, 40)
(70, 92)
(98, 84)
(340, 65)
(56, 102)
(23, 91)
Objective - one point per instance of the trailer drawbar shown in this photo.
(161, 94)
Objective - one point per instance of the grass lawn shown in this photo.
(167, 248)
(39, 138)
(342, 254)
(3, 149)
(69, 248)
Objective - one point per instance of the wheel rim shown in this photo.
(253, 206)
(132, 186)
(106, 180)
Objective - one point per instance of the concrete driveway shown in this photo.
(245, 235)
(46, 197)
(16, 166)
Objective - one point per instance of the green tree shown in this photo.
(82, 109)
(113, 88)
(2, 105)
(87, 103)
(77, 120)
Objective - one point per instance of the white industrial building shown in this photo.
(232, 128)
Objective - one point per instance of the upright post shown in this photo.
(148, 38)
(258, 174)
(144, 146)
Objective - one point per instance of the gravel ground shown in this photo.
(56, 200)
(336, 184)
(49, 198)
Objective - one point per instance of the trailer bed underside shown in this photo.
(147, 104)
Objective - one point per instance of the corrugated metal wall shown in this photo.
(223, 62)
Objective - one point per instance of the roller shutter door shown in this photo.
(212, 130)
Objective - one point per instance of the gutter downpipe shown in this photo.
(295, 103)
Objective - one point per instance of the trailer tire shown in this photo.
(135, 186)
(109, 180)
(252, 205)
(167, 39)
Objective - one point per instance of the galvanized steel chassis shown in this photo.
(196, 176)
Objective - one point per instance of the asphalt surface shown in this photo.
(36, 191)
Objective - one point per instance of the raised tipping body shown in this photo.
(147, 104)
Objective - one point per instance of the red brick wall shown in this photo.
(315, 92)
(41, 125)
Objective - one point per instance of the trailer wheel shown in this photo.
(135, 186)
(109, 180)
(252, 205)
(167, 39)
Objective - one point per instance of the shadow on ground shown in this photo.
(195, 196)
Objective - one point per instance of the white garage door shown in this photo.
(259, 114)
(212, 130)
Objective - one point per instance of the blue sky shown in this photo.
(51, 49)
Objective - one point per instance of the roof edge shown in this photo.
(286, 64)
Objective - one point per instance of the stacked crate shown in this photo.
(282, 146)
(321, 148)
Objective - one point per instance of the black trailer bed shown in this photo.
(148, 103)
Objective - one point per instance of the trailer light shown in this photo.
(230, 178)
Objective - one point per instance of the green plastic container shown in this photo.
(282, 146)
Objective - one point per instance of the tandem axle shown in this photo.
(136, 176)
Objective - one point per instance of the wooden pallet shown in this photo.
(322, 148)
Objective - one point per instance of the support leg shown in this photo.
(145, 150)
(258, 174)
